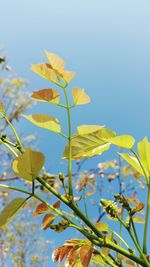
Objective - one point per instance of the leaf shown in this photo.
(11, 210)
(80, 97)
(56, 62)
(144, 153)
(44, 121)
(58, 65)
(132, 160)
(102, 226)
(46, 95)
(85, 255)
(125, 141)
(136, 219)
(89, 145)
(1, 107)
(87, 129)
(47, 220)
(29, 164)
(40, 209)
(45, 70)
(56, 205)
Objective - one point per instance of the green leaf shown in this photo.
(46, 95)
(132, 160)
(124, 141)
(80, 97)
(89, 145)
(44, 121)
(144, 153)
(29, 164)
(86, 129)
(11, 210)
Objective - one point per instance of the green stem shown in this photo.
(120, 239)
(84, 199)
(69, 144)
(16, 134)
(146, 222)
(134, 230)
(9, 148)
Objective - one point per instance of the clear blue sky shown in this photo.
(106, 42)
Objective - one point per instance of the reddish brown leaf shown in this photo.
(48, 95)
(47, 220)
(40, 209)
(85, 255)
(83, 183)
(56, 205)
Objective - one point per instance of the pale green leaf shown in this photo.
(11, 210)
(44, 121)
(132, 161)
(29, 164)
(88, 145)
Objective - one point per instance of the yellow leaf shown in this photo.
(136, 219)
(144, 153)
(125, 141)
(89, 145)
(46, 95)
(44, 121)
(80, 97)
(132, 160)
(56, 62)
(86, 129)
(29, 164)
(1, 107)
(45, 70)
(102, 226)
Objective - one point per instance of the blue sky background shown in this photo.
(107, 44)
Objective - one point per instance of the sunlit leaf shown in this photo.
(132, 160)
(56, 62)
(44, 121)
(87, 129)
(144, 153)
(88, 145)
(80, 97)
(47, 220)
(46, 95)
(1, 107)
(136, 219)
(102, 226)
(85, 255)
(11, 210)
(124, 141)
(29, 164)
(45, 70)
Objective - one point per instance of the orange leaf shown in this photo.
(56, 205)
(47, 95)
(40, 209)
(47, 220)
(85, 255)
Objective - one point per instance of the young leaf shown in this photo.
(1, 107)
(89, 145)
(87, 129)
(45, 70)
(124, 141)
(136, 219)
(132, 160)
(40, 209)
(144, 153)
(85, 255)
(102, 226)
(47, 220)
(11, 210)
(29, 164)
(44, 121)
(46, 95)
(80, 97)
